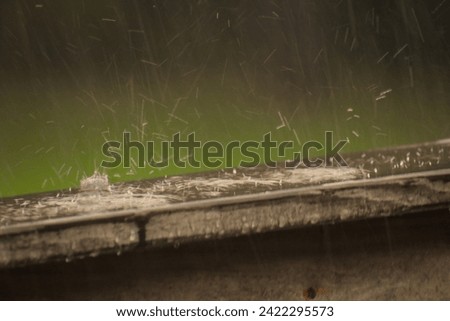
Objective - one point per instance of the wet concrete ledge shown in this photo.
(73, 237)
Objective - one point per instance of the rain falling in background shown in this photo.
(74, 74)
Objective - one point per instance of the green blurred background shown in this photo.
(76, 73)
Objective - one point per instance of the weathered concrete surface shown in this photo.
(394, 258)
(67, 243)
(224, 217)
(331, 203)
(214, 205)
